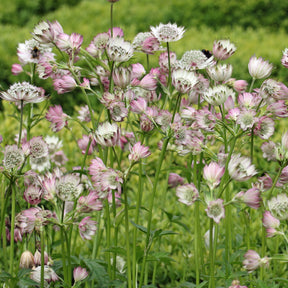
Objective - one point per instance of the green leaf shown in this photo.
(139, 227)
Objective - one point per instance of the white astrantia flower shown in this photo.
(168, 32)
(68, 188)
(25, 92)
(187, 194)
(220, 73)
(31, 50)
(107, 134)
(259, 68)
(215, 210)
(183, 80)
(218, 95)
(38, 147)
(13, 157)
(195, 59)
(119, 50)
(40, 164)
(140, 38)
(279, 206)
(223, 49)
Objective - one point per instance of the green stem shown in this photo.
(42, 240)
(108, 234)
(276, 179)
(68, 248)
(111, 19)
(13, 210)
(197, 246)
(138, 205)
(211, 255)
(169, 66)
(21, 124)
(150, 210)
(127, 235)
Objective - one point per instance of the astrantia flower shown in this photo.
(236, 284)
(264, 128)
(107, 134)
(240, 168)
(274, 89)
(146, 42)
(98, 44)
(80, 274)
(252, 261)
(68, 187)
(183, 81)
(89, 203)
(23, 92)
(270, 223)
(69, 43)
(195, 59)
(16, 69)
(13, 157)
(174, 180)
(49, 275)
(38, 147)
(213, 173)
(187, 194)
(279, 206)
(41, 164)
(64, 84)
(83, 144)
(217, 95)
(219, 72)
(269, 150)
(246, 119)
(284, 59)
(26, 260)
(138, 152)
(57, 118)
(84, 114)
(215, 210)
(87, 228)
(122, 76)
(223, 49)
(168, 32)
(119, 50)
(33, 194)
(31, 51)
(46, 32)
(251, 197)
(259, 68)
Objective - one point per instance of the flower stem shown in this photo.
(21, 123)
(211, 255)
(150, 210)
(111, 19)
(13, 208)
(42, 240)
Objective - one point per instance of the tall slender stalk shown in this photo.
(211, 256)
(42, 243)
(13, 210)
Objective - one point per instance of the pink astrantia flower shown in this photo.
(64, 84)
(38, 147)
(16, 69)
(122, 76)
(259, 68)
(175, 180)
(80, 274)
(240, 85)
(251, 197)
(69, 43)
(187, 194)
(84, 114)
(87, 228)
(223, 49)
(269, 150)
(215, 210)
(33, 194)
(270, 223)
(272, 88)
(236, 284)
(138, 152)
(253, 261)
(278, 109)
(117, 32)
(138, 105)
(246, 119)
(264, 128)
(89, 203)
(83, 144)
(213, 173)
(57, 118)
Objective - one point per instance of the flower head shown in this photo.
(187, 194)
(219, 72)
(68, 187)
(279, 206)
(174, 180)
(223, 49)
(119, 50)
(26, 260)
(217, 95)
(107, 134)
(33, 194)
(23, 92)
(64, 84)
(270, 223)
(272, 88)
(138, 152)
(49, 274)
(183, 81)
(284, 59)
(251, 197)
(213, 173)
(80, 274)
(195, 59)
(259, 68)
(252, 261)
(215, 210)
(168, 32)
(13, 157)
(57, 118)
(87, 228)
(240, 168)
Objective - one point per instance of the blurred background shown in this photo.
(257, 27)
